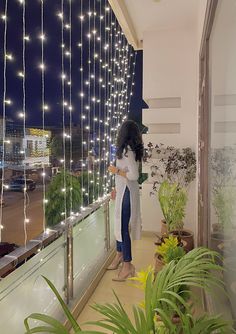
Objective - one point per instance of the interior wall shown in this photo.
(170, 88)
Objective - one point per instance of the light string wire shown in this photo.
(43, 111)
(108, 96)
(24, 125)
(94, 99)
(121, 43)
(112, 91)
(105, 107)
(115, 71)
(127, 80)
(4, 114)
(89, 106)
(100, 98)
(82, 102)
(70, 105)
(126, 90)
(132, 81)
(117, 98)
(125, 83)
(63, 110)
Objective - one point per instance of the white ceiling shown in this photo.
(161, 14)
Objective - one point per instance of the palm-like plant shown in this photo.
(166, 297)
(162, 299)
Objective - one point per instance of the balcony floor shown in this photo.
(143, 256)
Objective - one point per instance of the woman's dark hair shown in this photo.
(129, 135)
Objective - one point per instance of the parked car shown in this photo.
(19, 185)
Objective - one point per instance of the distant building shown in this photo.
(29, 150)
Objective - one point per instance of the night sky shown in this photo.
(52, 46)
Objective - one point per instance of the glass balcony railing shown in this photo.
(25, 290)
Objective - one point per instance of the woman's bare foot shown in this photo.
(127, 270)
(116, 262)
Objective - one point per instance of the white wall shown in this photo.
(170, 70)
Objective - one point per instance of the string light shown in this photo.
(105, 91)
(44, 108)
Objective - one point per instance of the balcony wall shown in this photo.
(170, 89)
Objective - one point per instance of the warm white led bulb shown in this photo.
(9, 56)
(42, 37)
(21, 114)
(8, 102)
(60, 15)
(20, 74)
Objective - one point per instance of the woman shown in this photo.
(127, 205)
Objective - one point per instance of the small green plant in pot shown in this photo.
(224, 203)
(169, 250)
(177, 166)
(173, 201)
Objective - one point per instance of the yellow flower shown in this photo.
(141, 278)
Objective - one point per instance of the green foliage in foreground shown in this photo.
(162, 302)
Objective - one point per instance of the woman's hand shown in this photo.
(112, 169)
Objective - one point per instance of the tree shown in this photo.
(74, 146)
(62, 197)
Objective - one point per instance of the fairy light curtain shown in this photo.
(66, 71)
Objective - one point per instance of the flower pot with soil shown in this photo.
(186, 236)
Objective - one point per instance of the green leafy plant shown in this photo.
(63, 195)
(173, 201)
(224, 202)
(162, 298)
(174, 164)
(170, 250)
(163, 303)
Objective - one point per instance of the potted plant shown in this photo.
(223, 191)
(224, 203)
(165, 309)
(177, 166)
(169, 250)
(173, 199)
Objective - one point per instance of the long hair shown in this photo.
(129, 137)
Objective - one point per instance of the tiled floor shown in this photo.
(143, 255)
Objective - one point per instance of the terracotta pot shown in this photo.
(186, 236)
(164, 229)
(159, 264)
(217, 239)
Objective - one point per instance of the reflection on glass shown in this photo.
(222, 159)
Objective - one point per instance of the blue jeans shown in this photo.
(125, 245)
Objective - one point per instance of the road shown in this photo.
(13, 216)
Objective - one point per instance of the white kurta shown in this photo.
(129, 165)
